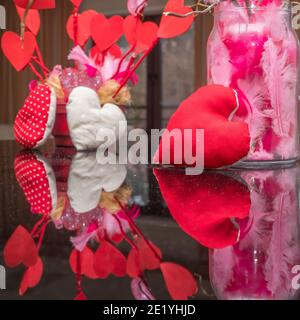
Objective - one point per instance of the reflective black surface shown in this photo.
(144, 232)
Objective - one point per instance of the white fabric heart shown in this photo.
(87, 179)
(86, 117)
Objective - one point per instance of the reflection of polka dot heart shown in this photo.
(33, 178)
(35, 120)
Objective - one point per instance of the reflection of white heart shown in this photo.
(86, 117)
(87, 179)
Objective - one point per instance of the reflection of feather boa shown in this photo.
(273, 240)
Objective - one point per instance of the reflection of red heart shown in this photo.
(179, 281)
(19, 54)
(76, 3)
(209, 108)
(106, 32)
(204, 205)
(143, 35)
(108, 259)
(31, 277)
(20, 248)
(33, 21)
(37, 4)
(84, 26)
(142, 258)
(171, 26)
(86, 260)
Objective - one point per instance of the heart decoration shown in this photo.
(179, 281)
(84, 26)
(31, 277)
(86, 258)
(142, 35)
(205, 205)
(142, 258)
(109, 260)
(136, 7)
(20, 248)
(33, 21)
(76, 3)
(106, 32)
(210, 108)
(19, 54)
(37, 4)
(171, 26)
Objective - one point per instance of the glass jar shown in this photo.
(255, 51)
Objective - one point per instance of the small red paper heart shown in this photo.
(171, 26)
(142, 35)
(179, 281)
(76, 3)
(19, 54)
(31, 277)
(84, 26)
(20, 248)
(33, 21)
(106, 32)
(85, 259)
(37, 4)
(109, 260)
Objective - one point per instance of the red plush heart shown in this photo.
(84, 26)
(106, 32)
(143, 258)
(210, 108)
(205, 205)
(17, 52)
(109, 260)
(32, 177)
(31, 277)
(37, 4)
(83, 261)
(20, 248)
(33, 21)
(179, 281)
(171, 26)
(76, 3)
(142, 35)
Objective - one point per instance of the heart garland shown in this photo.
(37, 4)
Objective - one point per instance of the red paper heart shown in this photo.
(204, 205)
(142, 35)
(20, 248)
(109, 260)
(171, 26)
(209, 108)
(33, 21)
(86, 260)
(179, 281)
(31, 277)
(106, 32)
(37, 4)
(76, 3)
(19, 54)
(84, 26)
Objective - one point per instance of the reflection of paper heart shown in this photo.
(171, 26)
(86, 117)
(205, 205)
(210, 108)
(37, 4)
(35, 120)
(33, 21)
(87, 179)
(37, 180)
(19, 54)
(76, 3)
(106, 32)
(84, 26)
